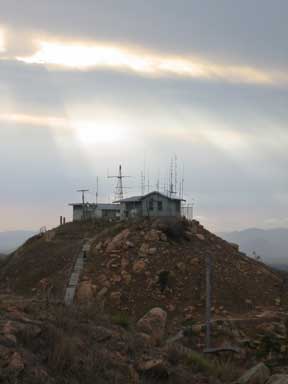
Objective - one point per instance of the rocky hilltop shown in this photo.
(135, 266)
(138, 312)
(163, 263)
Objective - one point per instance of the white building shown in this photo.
(153, 204)
(95, 211)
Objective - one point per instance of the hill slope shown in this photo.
(134, 266)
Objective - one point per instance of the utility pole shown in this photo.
(119, 190)
(208, 301)
(83, 202)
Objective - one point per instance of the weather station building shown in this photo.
(153, 204)
(90, 211)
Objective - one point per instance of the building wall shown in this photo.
(94, 213)
(152, 206)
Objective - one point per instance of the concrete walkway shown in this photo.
(75, 274)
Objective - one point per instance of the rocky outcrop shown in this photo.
(153, 323)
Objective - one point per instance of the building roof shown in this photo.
(102, 206)
(136, 199)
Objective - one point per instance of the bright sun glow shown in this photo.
(83, 56)
(99, 132)
(2, 40)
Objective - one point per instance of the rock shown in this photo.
(278, 379)
(200, 236)
(16, 362)
(155, 368)
(117, 241)
(139, 266)
(102, 293)
(115, 297)
(181, 266)
(153, 323)
(8, 341)
(144, 249)
(85, 291)
(98, 246)
(152, 251)
(152, 235)
(126, 277)
(129, 244)
(163, 236)
(259, 374)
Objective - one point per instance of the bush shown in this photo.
(122, 320)
(175, 230)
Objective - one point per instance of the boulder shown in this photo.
(258, 374)
(16, 362)
(153, 323)
(278, 379)
(139, 266)
(117, 241)
(152, 235)
(85, 291)
(154, 367)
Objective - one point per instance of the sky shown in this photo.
(88, 85)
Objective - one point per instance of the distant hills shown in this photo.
(10, 240)
(270, 244)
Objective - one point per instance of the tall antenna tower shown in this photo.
(83, 191)
(119, 190)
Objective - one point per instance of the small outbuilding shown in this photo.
(153, 204)
(90, 211)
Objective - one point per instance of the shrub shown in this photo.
(122, 320)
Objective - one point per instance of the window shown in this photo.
(151, 205)
(160, 205)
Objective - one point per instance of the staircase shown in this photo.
(75, 274)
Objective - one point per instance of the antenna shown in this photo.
(175, 173)
(158, 182)
(142, 183)
(119, 190)
(83, 191)
(97, 189)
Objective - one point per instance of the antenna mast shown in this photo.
(83, 202)
(97, 189)
(119, 190)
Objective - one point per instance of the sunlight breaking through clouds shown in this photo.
(2, 40)
(86, 57)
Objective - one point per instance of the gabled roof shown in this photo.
(137, 199)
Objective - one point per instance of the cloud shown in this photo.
(2, 40)
(143, 62)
